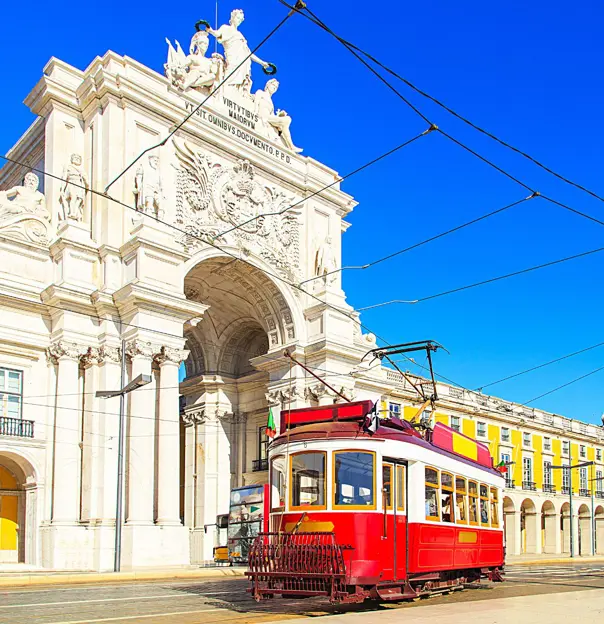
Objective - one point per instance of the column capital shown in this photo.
(193, 415)
(89, 357)
(139, 348)
(64, 349)
(107, 353)
(170, 355)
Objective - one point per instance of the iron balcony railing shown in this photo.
(599, 494)
(547, 487)
(584, 492)
(509, 484)
(16, 427)
(259, 464)
(529, 485)
(565, 489)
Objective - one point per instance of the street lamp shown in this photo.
(137, 382)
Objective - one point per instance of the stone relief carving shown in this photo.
(90, 357)
(23, 213)
(148, 188)
(139, 348)
(109, 354)
(278, 122)
(325, 261)
(169, 354)
(72, 195)
(64, 349)
(212, 199)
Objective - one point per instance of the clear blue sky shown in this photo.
(529, 72)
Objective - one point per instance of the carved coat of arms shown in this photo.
(232, 206)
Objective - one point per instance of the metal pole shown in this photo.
(570, 501)
(120, 469)
(593, 516)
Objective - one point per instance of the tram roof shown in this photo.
(349, 420)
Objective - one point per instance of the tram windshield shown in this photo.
(308, 479)
(354, 479)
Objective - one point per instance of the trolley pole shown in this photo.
(138, 382)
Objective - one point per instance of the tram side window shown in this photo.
(400, 488)
(278, 483)
(308, 479)
(432, 487)
(446, 500)
(461, 512)
(484, 504)
(354, 479)
(473, 501)
(494, 507)
(387, 485)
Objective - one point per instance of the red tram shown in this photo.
(371, 508)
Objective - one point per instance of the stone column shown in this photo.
(66, 481)
(140, 439)
(168, 433)
(110, 379)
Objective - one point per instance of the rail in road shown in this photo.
(225, 600)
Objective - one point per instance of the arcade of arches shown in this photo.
(544, 526)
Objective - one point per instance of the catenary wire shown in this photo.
(352, 47)
(534, 368)
(327, 186)
(425, 241)
(198, 107)
(593, 372)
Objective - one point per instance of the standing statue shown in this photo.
(325, 261)
(73, 192)
(236, 50)
(148, 188)
(265, 109)
(24, 200)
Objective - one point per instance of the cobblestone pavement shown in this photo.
(221, 601)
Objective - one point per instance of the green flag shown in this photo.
(271, 430)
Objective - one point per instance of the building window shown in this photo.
(599, 484)
(455, 423)
(583, 480)
(547, 474)
(394, 409)
(547, 444)
(526, 439)
(527, 470)
(505, 434)
(582, 452)
(599, 454)
(565, 478)
(11, 393)
(565, 447)
(262, 444)
(481, 430)
(509, 477)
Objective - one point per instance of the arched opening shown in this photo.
(509, 526)
(549, 522)
(584, 534)
(224, 442)
(528, 527)
(565, 528)
(18, 496)
(599, 520)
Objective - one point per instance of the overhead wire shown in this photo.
(593, 372)
(199, 106)
(353, 48)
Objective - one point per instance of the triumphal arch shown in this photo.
(199, 253)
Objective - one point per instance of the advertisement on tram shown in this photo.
(248, 516)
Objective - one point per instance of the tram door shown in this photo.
(394, 508)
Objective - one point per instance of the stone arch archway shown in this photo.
(549, 528)
(584, 533)
(18, 508)
(529, 527)
(565, 521)
(599, 520)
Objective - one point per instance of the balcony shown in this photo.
(529, 485)
(599, 494)
(583, 492)
(565, 489)
(258, 465)
(509, 484)
(547, 487)
(16, 427)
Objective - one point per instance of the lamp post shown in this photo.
(138, 382)
(570, 495)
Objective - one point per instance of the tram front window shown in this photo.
(278, 482)
(308, 480)
(354, 479)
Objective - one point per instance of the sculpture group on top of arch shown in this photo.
(229, 75)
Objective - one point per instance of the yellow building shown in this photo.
(536, 446)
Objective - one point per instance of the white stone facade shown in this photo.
(162, 271)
